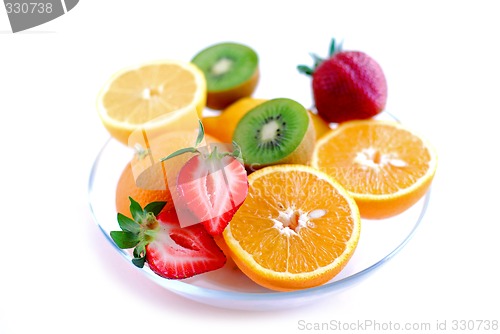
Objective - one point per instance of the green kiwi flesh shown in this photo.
(271, 132)
(226, 65)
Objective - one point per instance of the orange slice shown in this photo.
(296, 229)
(385, 166)
(152, 94)
(127, 187)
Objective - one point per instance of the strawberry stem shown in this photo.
(199, 139)
(137, 232)
(214, 154)
(180, 152)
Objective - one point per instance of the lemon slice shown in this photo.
(152, 94)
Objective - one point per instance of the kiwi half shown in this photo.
(231, 71)
(275, 132)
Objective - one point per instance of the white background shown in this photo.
(58, 274)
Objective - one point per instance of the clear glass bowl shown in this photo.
(227, 287)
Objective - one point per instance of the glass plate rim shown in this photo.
(186, 289)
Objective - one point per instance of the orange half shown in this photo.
(385, 166)
(297, 228)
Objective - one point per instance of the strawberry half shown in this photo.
(212, 185)
(348, 85)
(213, 188)
(171, 251)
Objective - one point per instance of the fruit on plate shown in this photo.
(156, 191)
(297, 228)
(348, 85)
(212, 185)
(384, 165)
(145, 178)
(231, 71)
(277, 131)
(222, 126)
(169, 250)
(280, 193)
(151, 95)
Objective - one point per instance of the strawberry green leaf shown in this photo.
(155, 207)
(127, 224)
(305, 69)
(332, 48)
(124, 239)
(140, 249)
(139, 254)
(339, 47)
(136, 210)
(317, 60)
(201, 133)
(139, 261)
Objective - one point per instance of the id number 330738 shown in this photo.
(28, 7)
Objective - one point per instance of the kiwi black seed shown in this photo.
(275, 132)
(231, 71)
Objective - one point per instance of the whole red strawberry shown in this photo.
(348, 85)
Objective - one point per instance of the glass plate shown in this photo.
(227, 287)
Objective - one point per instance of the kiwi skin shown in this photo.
(221, 99)
(301, 155)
